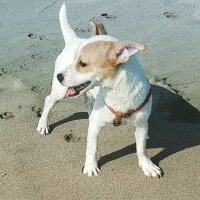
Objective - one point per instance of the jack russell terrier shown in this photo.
(107, 70)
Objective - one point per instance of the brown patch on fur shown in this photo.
(99, 57)
(104, 57)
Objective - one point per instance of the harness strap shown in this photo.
(119, 115)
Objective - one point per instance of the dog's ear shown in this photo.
(97, 28)
(123, 50)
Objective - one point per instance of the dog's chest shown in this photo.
(128, 91)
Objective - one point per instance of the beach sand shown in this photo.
(35, 167)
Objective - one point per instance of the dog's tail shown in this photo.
(68, 33)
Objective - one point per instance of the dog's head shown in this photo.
(95, 62)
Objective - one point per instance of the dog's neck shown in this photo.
(128, 89)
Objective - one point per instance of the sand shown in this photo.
(34, 167)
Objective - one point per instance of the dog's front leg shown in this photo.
(58, 92)
(145, 163)
(43, 126)
(89, 100)
(91, 167)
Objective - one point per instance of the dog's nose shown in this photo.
(60, 77)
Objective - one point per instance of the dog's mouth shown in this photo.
(75, 91)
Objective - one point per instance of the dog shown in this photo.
(58, 92)
(108, 72)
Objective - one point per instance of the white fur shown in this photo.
(126, 91)
(67, 31)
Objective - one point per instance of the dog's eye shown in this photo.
(82, 64)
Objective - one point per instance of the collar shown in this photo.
(119, 115)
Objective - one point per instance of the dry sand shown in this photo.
(33, 167)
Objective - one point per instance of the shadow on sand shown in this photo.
(75, 116)
(174, 125)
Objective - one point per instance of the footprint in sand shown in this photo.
(33, 36)
(71, 138)
(81, 29)
(180, 8)
(3, 71)
(37, 89)
(107, 16)
(7, 115)
(170, 15)
(37, 110)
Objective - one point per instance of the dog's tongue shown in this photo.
(70, 91)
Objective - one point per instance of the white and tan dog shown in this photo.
(109, 72)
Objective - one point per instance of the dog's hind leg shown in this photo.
(145, 163)
(58, 93)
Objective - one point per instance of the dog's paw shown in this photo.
(91, 169)
(43, 128)
(149, 168)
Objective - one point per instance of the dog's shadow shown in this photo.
(75, 116)
(174, 125)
